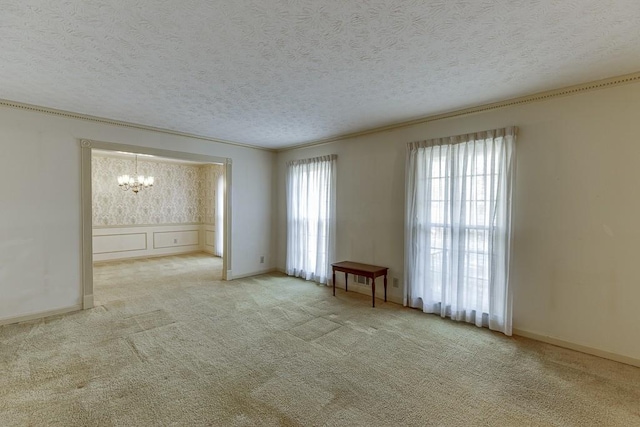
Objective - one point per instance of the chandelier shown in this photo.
(136, 182)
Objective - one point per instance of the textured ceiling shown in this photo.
(276, 73)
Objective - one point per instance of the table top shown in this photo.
(358, 266)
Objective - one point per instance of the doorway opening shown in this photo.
(172, 231)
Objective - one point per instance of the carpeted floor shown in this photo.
(130, 280)
(173, 345)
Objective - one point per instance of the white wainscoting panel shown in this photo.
(123, 242)
(209, 238)
(173, 239)
(113, 243)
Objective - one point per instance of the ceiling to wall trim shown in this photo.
(540, 96)
(104, 120)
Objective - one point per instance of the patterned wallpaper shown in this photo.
(208, 208)
(179, 195)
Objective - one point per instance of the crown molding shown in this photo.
(103, 120)
(540, 96)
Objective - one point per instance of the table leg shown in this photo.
(346, 282)
(385, 288)
(373, 292)
(334, 282)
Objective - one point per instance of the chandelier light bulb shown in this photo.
(135, 182)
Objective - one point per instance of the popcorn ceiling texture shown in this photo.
(181, 193)
(281, 72)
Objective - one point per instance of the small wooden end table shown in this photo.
(366, 270)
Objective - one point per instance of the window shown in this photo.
(459, 227)
(310, 217)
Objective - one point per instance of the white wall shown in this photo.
(40, 224)
(577, 211)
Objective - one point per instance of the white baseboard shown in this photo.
(39, 315)
(87, 302)
(578, 347)
(255, 273)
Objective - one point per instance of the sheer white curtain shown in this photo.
(219, 211)
(458, 227)
(311, 217)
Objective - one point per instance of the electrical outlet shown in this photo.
(262, 259)
(396, 282)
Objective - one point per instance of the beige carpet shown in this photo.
(173, 345)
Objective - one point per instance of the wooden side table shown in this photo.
(366, 270)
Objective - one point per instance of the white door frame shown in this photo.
(86, 145)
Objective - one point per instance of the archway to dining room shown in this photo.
(155, 222)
